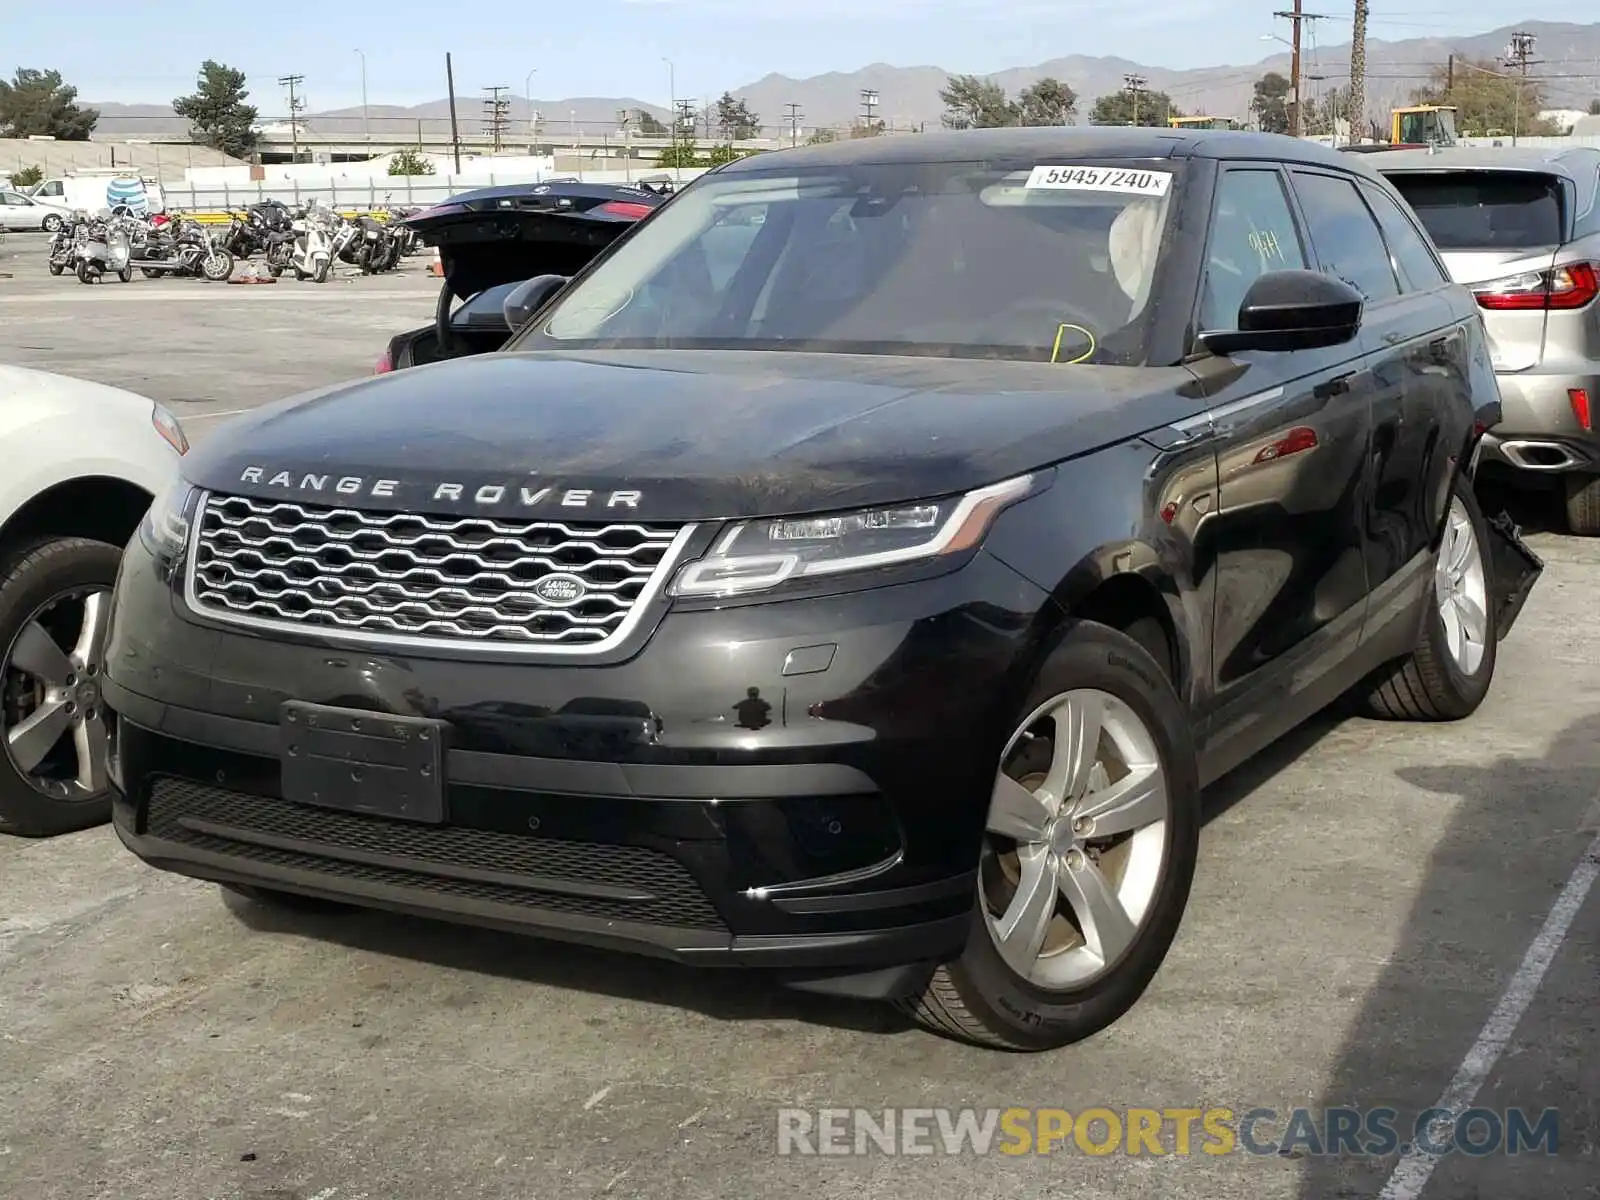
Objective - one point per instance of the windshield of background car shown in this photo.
(1485, 210)
(1040, 263)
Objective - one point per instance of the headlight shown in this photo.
(170, 430)
(165, 528)
(756, 555)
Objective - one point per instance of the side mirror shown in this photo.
(529, 297)
(1291, 310)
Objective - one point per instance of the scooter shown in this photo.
(101, 247)
(313, 253)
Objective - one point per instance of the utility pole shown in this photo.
(1298, 17)
(1357, 108)
(296, 103)
(794, 123)
(455, 130)
(869, 107)
(1519, 55)
(1133, 85)
(496, 116)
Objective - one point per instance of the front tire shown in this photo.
(1092, 834)
(319, 273)
(217, 266)
(1583, 505)
(55, 601)
(1448, 674)
(52, 223)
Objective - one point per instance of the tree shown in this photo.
(1487, 99)
(1323, 114)
(1047, 102)
(410, 162)
(648, 125)
(1271, 104)
(822, 137)
(28, 176)
(863, 129)
(734, 120)
(1594, 107)
(679, 154)
(974, 103)
(1129, 108)
(38, 104)
(217, 113)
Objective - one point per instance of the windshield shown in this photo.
(1048, 262)
(1485, 210)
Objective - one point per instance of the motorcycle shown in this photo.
(59, 254)
(101, 246)
(183, 247)
(368, 246)
(312, 254)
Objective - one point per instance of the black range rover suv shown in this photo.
(856, 571)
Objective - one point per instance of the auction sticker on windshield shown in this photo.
(1101, 179)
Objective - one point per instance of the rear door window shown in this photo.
(1419, 270)
(1486, 210)
(1345, 235)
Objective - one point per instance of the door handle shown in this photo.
(1337, 386)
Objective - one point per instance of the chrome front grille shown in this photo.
(564, 587)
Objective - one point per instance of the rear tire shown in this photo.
(980, 997)
(1448, 674)
(1583, 505)
(56, 268)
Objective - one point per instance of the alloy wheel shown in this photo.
(53, 717)
(1077, 839)
(1461, 588)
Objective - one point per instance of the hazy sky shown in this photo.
(616, 47)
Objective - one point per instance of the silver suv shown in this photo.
(1521, 228)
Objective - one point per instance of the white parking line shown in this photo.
(1412, 1173)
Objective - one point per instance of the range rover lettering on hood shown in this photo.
(488, 495)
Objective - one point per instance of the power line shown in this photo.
(1134, 85)
(1519, 56)
(1297, 18)
(496, 115)
(296, 104)
(869, 106)
(794, 123)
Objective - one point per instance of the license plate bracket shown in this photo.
(363, 762)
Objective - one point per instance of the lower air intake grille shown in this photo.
(276, 833)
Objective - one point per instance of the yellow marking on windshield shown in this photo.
(1061, 333)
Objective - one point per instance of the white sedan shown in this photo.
(82, 463)
(19, 212)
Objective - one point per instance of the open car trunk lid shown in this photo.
(506, 234)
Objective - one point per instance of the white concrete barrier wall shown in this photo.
(366, 194)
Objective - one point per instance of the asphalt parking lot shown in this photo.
(1385, 915)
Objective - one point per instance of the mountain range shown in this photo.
(908, 97)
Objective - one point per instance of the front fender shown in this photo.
(1130, 510)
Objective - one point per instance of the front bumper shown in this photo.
(1539, 430)
(798, 785)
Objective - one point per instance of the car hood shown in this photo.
(27, 395)
(681, 435)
